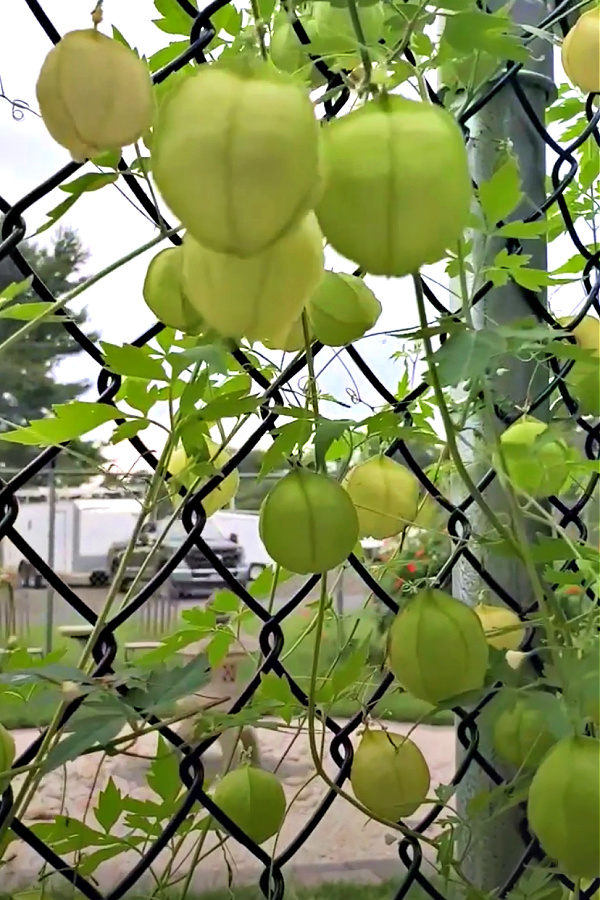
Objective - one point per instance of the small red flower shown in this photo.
(574, 589)
(411, 568)
(398, 583)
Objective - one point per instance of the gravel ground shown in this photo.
(344, 838)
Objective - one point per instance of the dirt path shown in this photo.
(344, 836)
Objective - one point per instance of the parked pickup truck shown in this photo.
(194, 576)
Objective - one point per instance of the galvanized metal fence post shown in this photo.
(51, 554)
(494, 844)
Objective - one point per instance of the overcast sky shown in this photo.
(110, 226)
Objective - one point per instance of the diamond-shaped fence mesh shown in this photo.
(272, 645)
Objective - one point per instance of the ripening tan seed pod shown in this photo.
(94, 94)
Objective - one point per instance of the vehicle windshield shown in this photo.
(210, 532)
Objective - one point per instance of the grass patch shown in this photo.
(327, 890)
(333, 890)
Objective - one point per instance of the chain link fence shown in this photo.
(192, 767)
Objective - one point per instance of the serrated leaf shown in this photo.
(89, 862)
(347, 672)
(127, 430)
(227, 19)
(502, 193)
(72, 420)
(139, 395)
(466, 355)
(163, 775)
(90, 729)
(524, 230)
(57, 213)
(294, 434)
(228, 407)
(132, 361)
(212, 355)
(174, 19)
(68, 835)
(218, 647)
(326, 432)
(472, 30)
(165, 686)
(109, 807)
(225, 602)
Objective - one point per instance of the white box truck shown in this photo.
(84, 530)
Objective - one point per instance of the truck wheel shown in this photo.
(98, 579)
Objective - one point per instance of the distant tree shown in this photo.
(29, 386)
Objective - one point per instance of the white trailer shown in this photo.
(84, 530)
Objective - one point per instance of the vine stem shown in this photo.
(70, 295)
(362, 43)
(260, 29)
(310, 363)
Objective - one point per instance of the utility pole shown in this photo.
(494, 844)
(51, 553)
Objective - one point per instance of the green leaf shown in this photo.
(28, 311)
(524, 230)
(127, 430)
(164, 687)
(277, 689)
(120, 37)
(163, 775)
(225, 602)
(169, 646)
(92, 181)
(57, 213)
(228, 407)
(326, 432)
(289, 436)
(132, 361)
(193, 393)
(72, 420)
(15, 289)
(139, 395)
(502, 193)
(466, 355)
(92, 728)
(88, 863)
(174, 19)
(219, 646)
(348, 671)
(109, 807)
(166, 55)
(108, 160)
(69, 835)
(227, 19)
(212, 355)
(473, 30)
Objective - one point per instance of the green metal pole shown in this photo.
(51, 554)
